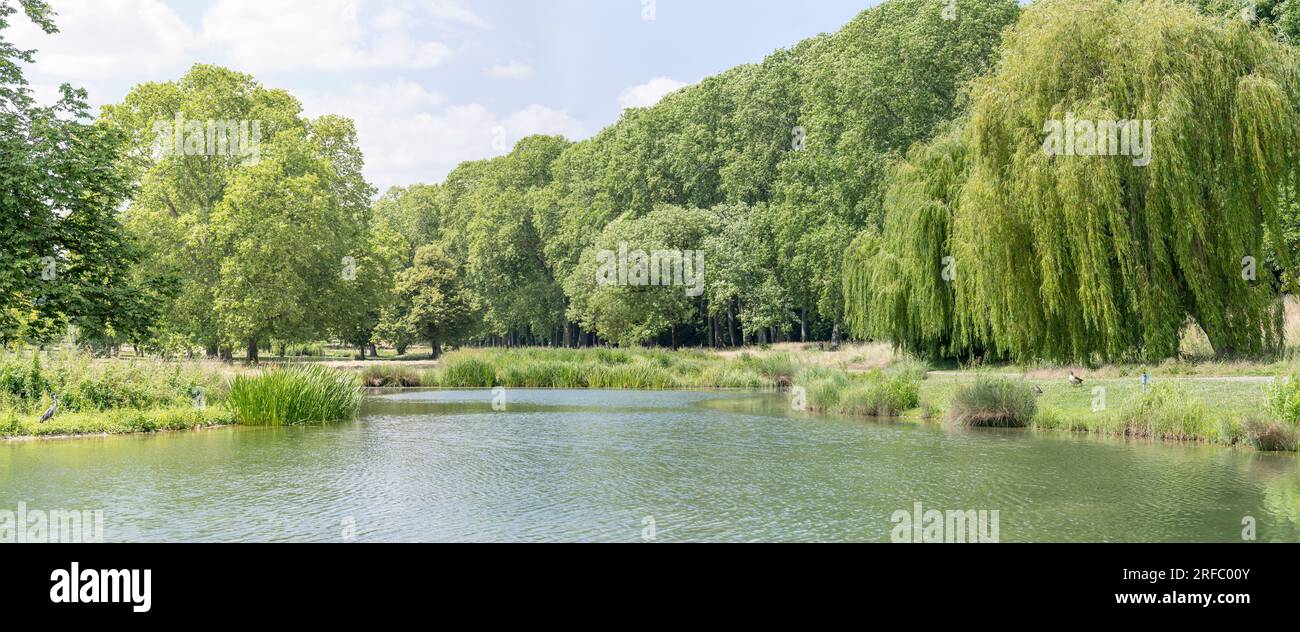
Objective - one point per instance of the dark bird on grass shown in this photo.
(49, 414)
(1037, 390)
(1075, 380)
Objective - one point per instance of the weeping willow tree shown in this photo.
(898, 282)
(1126, 160)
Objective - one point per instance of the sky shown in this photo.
(429, 83)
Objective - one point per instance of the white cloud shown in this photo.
(283, 35)
(512, 70)
(453, 11)
(538, 119)
(648, 93)
(410, 135)
(106, 39)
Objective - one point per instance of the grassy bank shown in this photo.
(103, 396)
(116, 422)
(644, 369)
(1230, 411)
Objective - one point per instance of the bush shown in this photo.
(297, 394)
(1284, 399)
(993, 402)
(389, 375)
(1272, 436)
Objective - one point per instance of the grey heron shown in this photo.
(49, 414)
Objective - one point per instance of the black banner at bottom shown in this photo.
(189, 583)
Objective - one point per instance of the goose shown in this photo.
(49, 414)
(1075, 380)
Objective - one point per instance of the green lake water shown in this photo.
(625, 466)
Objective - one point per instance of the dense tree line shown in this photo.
(889, 177)
(769, 169)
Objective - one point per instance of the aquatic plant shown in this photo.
(297, 394)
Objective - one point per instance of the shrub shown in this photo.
(297, 394)
(1271, 436)
(1284, 399)
(993, 402)
(383, 375)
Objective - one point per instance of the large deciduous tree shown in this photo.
(66, 259)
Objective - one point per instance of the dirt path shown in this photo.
(1048, 377)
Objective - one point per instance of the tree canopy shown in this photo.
(1079, 255)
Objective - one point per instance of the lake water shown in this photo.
(624, 466)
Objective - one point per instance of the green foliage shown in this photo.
(391, 375)
(993, 402)
(294, 395)
(467, 372)
(431, 302)
(255, 239)
(894, 280)
(617, 308)
(1284, 399)
(67, 260)
(874, 394)
(1269, 435)
(115, 422)
(651, 369)
(1083, 258)
(27, 385)
(1164, 411)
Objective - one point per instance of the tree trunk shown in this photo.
(252, 351)
(803, 325)
(835, 336)
(731, 325)
(437, 349)
(374, 351)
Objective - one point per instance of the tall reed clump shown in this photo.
(467, 372)
(992, 402)
(297, 394)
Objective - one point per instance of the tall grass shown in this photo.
(877, 393)
(86, 384)
(646, 369)
(297, 394)
(467, 372)
(1165, 411)
(115, 422)
(993, 402)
